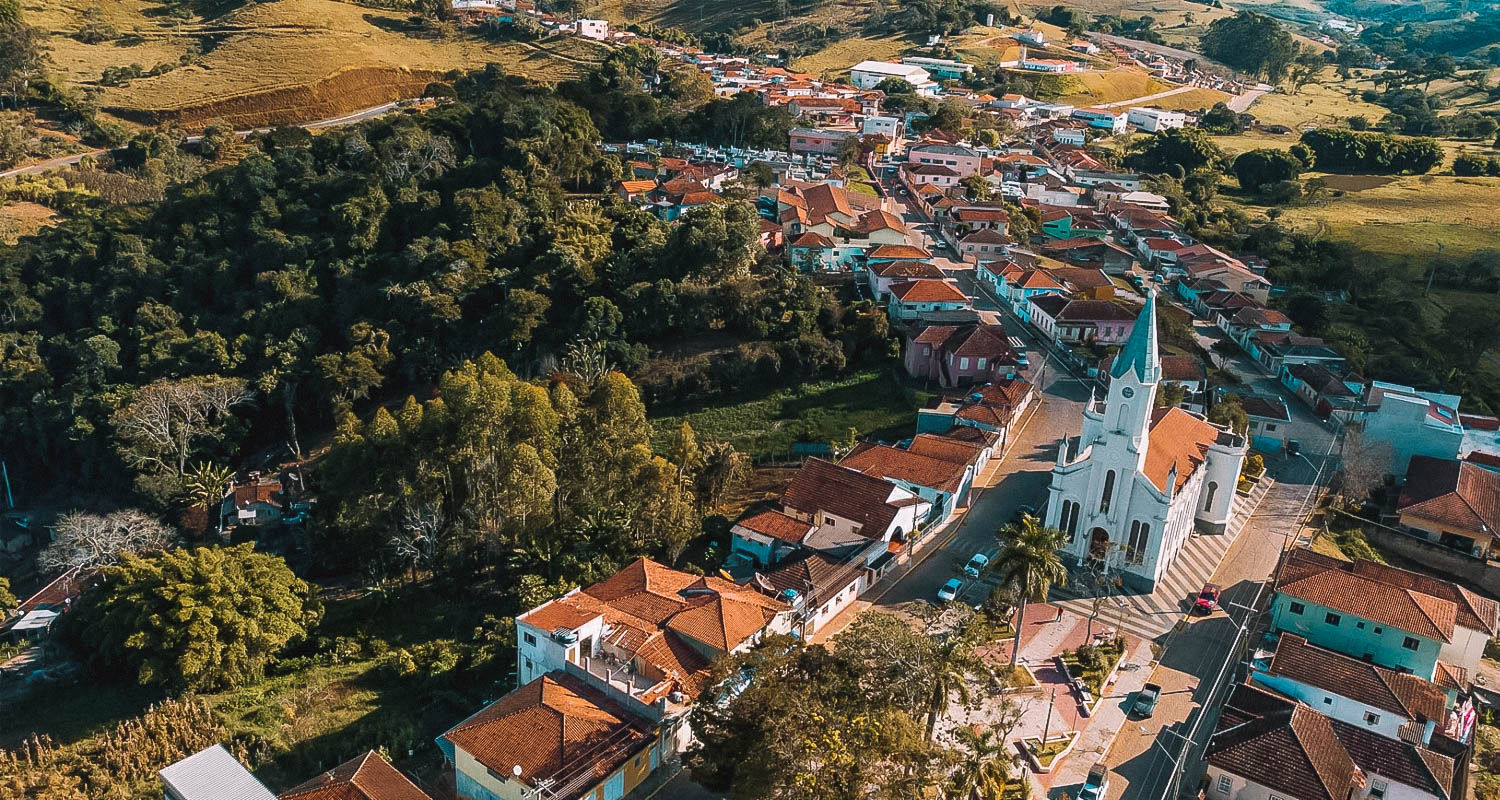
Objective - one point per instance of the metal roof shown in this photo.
(212, 774)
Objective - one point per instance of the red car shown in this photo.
(1208, 598)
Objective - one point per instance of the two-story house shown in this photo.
(960, 355)
(882, 274)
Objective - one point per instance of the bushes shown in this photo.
(1476, 166)
(1340, 150)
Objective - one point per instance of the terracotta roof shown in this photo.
(927, 291)
(886, 462)
(853, 495)
(907, 269)
(993, 404)
(986, 236)
(1338, 587)
(981, 341)
(682, 184)
(1395, 760)
(1083, 277)
(725, 620)
(366, 777)
(1447, 676)
(637, 187)
(816, 575)
(1474, 612)
(880, 220)
(1357, 680)
(555, 727)
(1483, 459)
(699, 198)
(812, 239)
(247, 494)
(1182, 369)
(1091, 310)
(931, 169)
(1178, 439)
(1036, 279)
(898, 251)
(777, 526)
(945, 448)
(972, 435)
(1460, 494)
(1287, 747)
(981, 215)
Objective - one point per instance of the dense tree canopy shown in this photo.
(1250, 41)
(1257, 169)
(1342, 150)
(207, 618)
(1175, 151)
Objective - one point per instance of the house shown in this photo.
(1084, 283)
(1053, 65)
(1152, 120)
(958, 158)
(766, 537)
(1383, 615)
(857, 516)
(972, 218)
(1090, 252)
(1079, 321)
(908, 298)
(1111, 121)
(985, 244)
(1453, 503)
(959, 355)
(990, 410)
(1276, 349)
(1147, 200)
(1127, 181)
(817, 585)
(821, 141)
(1411, 423)
(557, 733)
(211, 774)
(1393, 704)
(943, 68)
(1329, 393)
(884, 273)
(1131, 488)
(944, 484)
(896, 252)
(366, 777)
(635, 191)
(593, 29)
(645, 637)
(935, 175)
(1020, 286)
(33, 617)
(870, 74)
(1268, 746)
(259, 500)
(1269, 419)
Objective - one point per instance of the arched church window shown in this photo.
(1109, 490)
(1208, 495)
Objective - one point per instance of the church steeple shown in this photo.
(1139, 355)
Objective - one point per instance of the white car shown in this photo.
(976, 565)
(949, 592)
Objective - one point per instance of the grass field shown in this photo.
(1191, 100)
(1409, 217)
(840, 56)
(259, 48)
(1096, 88)
(871, 402)
(19, 219)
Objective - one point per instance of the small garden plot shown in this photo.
(1094, 664)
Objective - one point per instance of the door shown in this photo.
(614, 788)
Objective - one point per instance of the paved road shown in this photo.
(1148, 98)
(1241, 102)
(68, 161)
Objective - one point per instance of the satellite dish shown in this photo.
(516, 770)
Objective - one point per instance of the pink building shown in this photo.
(960, 355)
(956, 157)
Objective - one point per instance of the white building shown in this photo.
(1133, 486)
(1152, 120)
(1101, 118)
(869, 74)
(885, 126)
(1412, 422)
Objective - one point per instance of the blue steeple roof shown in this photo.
(1139, 353)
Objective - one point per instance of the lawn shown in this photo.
(1094, 668)
(1325, 102)
(1411, 217)
(1113, 86)
(291, 44)
(871, 402)
(1195, 99)
(840, 56)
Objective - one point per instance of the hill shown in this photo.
(285, 61)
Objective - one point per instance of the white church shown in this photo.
(1134, 486)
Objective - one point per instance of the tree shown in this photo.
(209, 618)
(8, 601)
(1170, 395)
(168, 421)
(1180, 150)
(1472, 329)
(1257, 169)
(724, 470)
(1028, 562)
(976, 188)
(1230, 413)
(1364, 465)
(89, 541)
(985, 770)
(1252, 42)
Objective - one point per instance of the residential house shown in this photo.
(1270, 419)
(33, 617)
(1147, 200)
(211, 774)
(1076, 321)
(1276, 349)
(560, 734)
(1411, 423)
(1453, 503)
(820, 141)
(943, 483)
(366, 777)
(1091, 252)
(635, 191)
(1202, 261)
(1331, 394)
(960, 159)
(1111, 121)
(986, 244)
(1267, 746)
(959, 355)
(934, 175)
(1085, 283)
(1152, 120)
(857, 516)
(1018, 286)
(969, 219)
(258, 500)
(882, 274)
(1388, 616)
(1128, 181)
(993, 410)
(896, 252)
(764, 538)
(593, 29)
(817, 585)
(908, 298)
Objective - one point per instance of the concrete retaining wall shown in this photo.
(1473, 572)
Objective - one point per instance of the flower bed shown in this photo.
(1095, 665)
(1044, 756)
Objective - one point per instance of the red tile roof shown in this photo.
(1282, 745)
(1459, 494)
(823, 486)
(886, 462)
(777, 526)
(1337, 586)
(907, 269)
(557, 728)
(898, 251)
(1178, 439)
(1357, 680)
(366, 777)
(812, 239)
(945, 448)
(986, 236)
(927, 291)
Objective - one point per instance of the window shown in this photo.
(1328, 701)
(1372, 718)
(963, 363)
(1135, 550)
(829, 521)
(1377, 788)
(1208, 500)
(1359, 625)
(1270, 428)
(1378, 629)
(981, 363)
(1225, 784)
(1332, 618)
(637, 762)
(1410, 643)
(531, 640)
(1109, 489)
(1069, 518)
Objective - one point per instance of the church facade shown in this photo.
(1139, 480)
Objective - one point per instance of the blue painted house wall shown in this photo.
(1355, 637)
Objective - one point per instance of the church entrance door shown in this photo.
(1098, 547)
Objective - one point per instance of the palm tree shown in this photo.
(206, 484)
(954, 664)
(986, 770)
(1029, 564)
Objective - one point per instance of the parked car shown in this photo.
(1208, 598)
(976, 565)
(949, 592)
(1145, 700)
(1096, 784)
(1293, 448)
(1023, 361)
